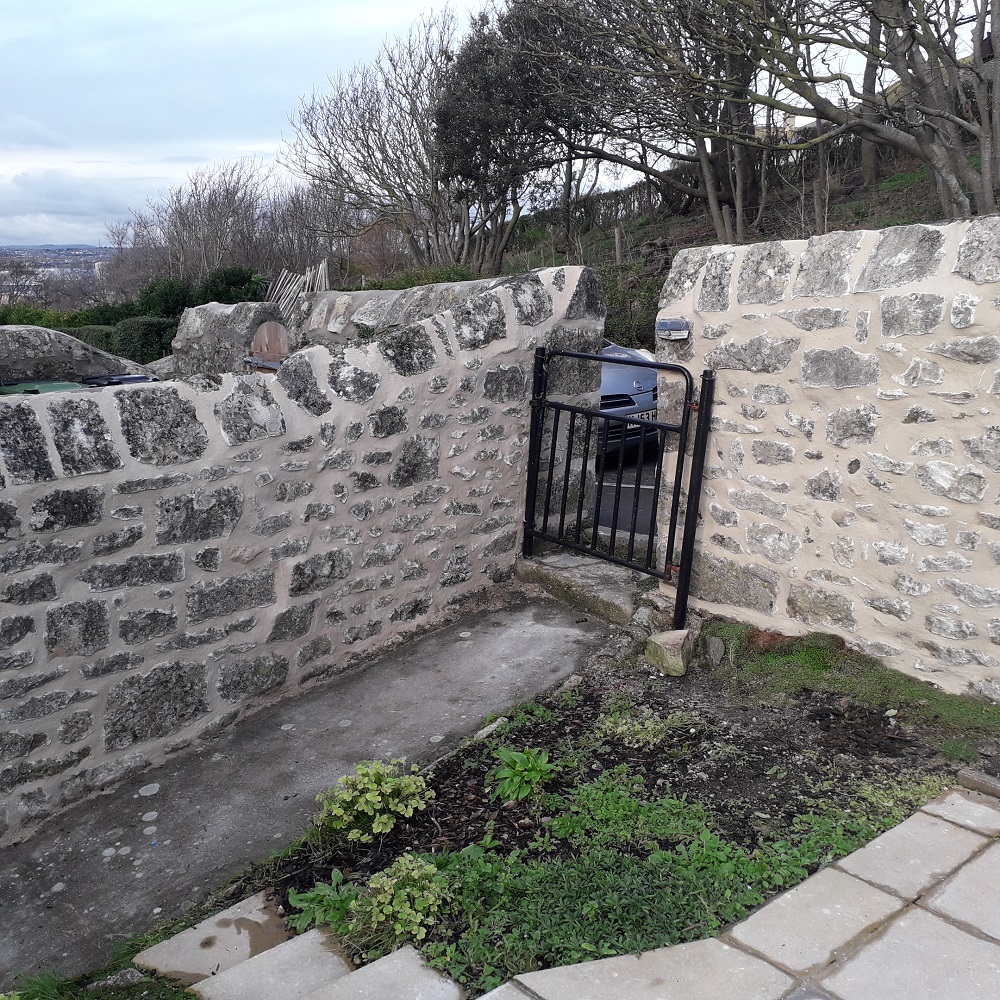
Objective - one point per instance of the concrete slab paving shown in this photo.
(911, 857)
(509, 991)
(807, 925)
(399, 976)
(593, 585)
(288, 971)
(972, 895)
(973, 810)
(217, 944)
(919, 957)
(702, 970)
(158, 844)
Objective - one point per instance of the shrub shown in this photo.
(231, 284)
(370, 801)
(101, 337)
(165, 297)
(143, 338)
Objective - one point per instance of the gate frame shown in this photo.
(703, 409)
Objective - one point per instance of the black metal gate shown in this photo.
(567, 442)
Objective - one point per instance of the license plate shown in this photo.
(647, 415)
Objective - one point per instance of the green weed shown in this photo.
(519, 774)
(370, 801)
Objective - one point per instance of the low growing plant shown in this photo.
(326, 903)
(370, 801)
(520, 773)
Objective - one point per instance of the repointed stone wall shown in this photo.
(175, 554)
(854, 469)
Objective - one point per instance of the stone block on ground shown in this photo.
(399, 976)
(979, 781)
(919, 956)
(971, 895)
(970, 809)
(286, 972)
(218, 943)
(670, 652)
(702, 970)
(806, 926)
(601, 588)
(911, 857)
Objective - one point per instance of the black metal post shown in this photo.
(694, 497)
(534, 451)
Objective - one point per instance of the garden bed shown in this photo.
(643, 811)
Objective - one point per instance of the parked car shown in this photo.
(626, 391)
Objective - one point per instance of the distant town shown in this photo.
(56, 257)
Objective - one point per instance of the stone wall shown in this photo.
(175, 554)
(854, 469)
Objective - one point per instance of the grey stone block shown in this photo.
(969, 350)
(79, 628)
(913, 315)
(320, 572)
(82, 437)
(31, 591)
(24, 771)
(765, 274)
(840, 368)
(684, 273)
(22, 445)
(418, 462)
(135, 571)
(61, 510)
(135, 627)
(505, 384)
(153, 483)
(715, 295)
(257, 675)
(852, 425)
(724, 581)
(14, 745)
(818, 606)
(978, 258)
(199, 516)
(904, 254)
(480, 321)
(214, 598)
(158, 703)
(115, 541)
(33, 553)
(294, 622)
(115, 663)
(160, 427)
(249, 412)
(965, 484)
(14, 629)
(10, 522)
(825, 265)
(297, 378)
(387, 421)
(760, 354)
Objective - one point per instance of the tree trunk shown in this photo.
(869, 151)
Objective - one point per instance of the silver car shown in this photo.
(626, 391)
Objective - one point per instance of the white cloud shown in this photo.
(115, 100)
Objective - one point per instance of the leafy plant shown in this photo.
(326, 903)
(370, 801)
(397, 906)
(520, 773)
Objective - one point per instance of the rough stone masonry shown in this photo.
(174, 554)
(854, 469)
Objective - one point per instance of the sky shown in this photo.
(107, 103)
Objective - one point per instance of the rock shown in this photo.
(912, 315)
(249, 412)
(979, 252)
(82, 437)
(921, 372)
(160, 426)
(760, 354)
(903, 255)
(970, 350)
(765, 273)
(724, 581)
(964, 483)
(670, 652)
(684, 273)
(22, 444)
(985, 448)
(813, 318)
(825, 265)
(818, 606)
(298, 378)
(34, 353)
(715, 291)
(214, 338)
(772, 542)
(852, 425)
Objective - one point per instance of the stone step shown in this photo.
(288, 971)
(218, 943)
(399, 976)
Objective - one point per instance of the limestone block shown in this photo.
(670, 652)
(160, 427)
(82, 437)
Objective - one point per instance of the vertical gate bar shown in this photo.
(534, 452)
(618, 488)
(661, 447)
(584, 469)
(675, 501)
(552, 469)
(636, 487)
(602, 461)
(569, 465)
(694, 496)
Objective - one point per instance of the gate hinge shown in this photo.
(694, 407)
(673, 568)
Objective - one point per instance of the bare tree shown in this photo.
(19, 280)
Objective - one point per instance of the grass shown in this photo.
(764, 665)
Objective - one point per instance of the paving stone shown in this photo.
(702, 970)
(601, 588)
(920, 957)
(911, 857)
(971, 895)
(216, 944)
(399, 976)
(286, 972)
(805, 927)
(969, 809)
(509, 991)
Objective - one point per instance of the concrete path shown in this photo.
(114, 866)
(914, 915)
